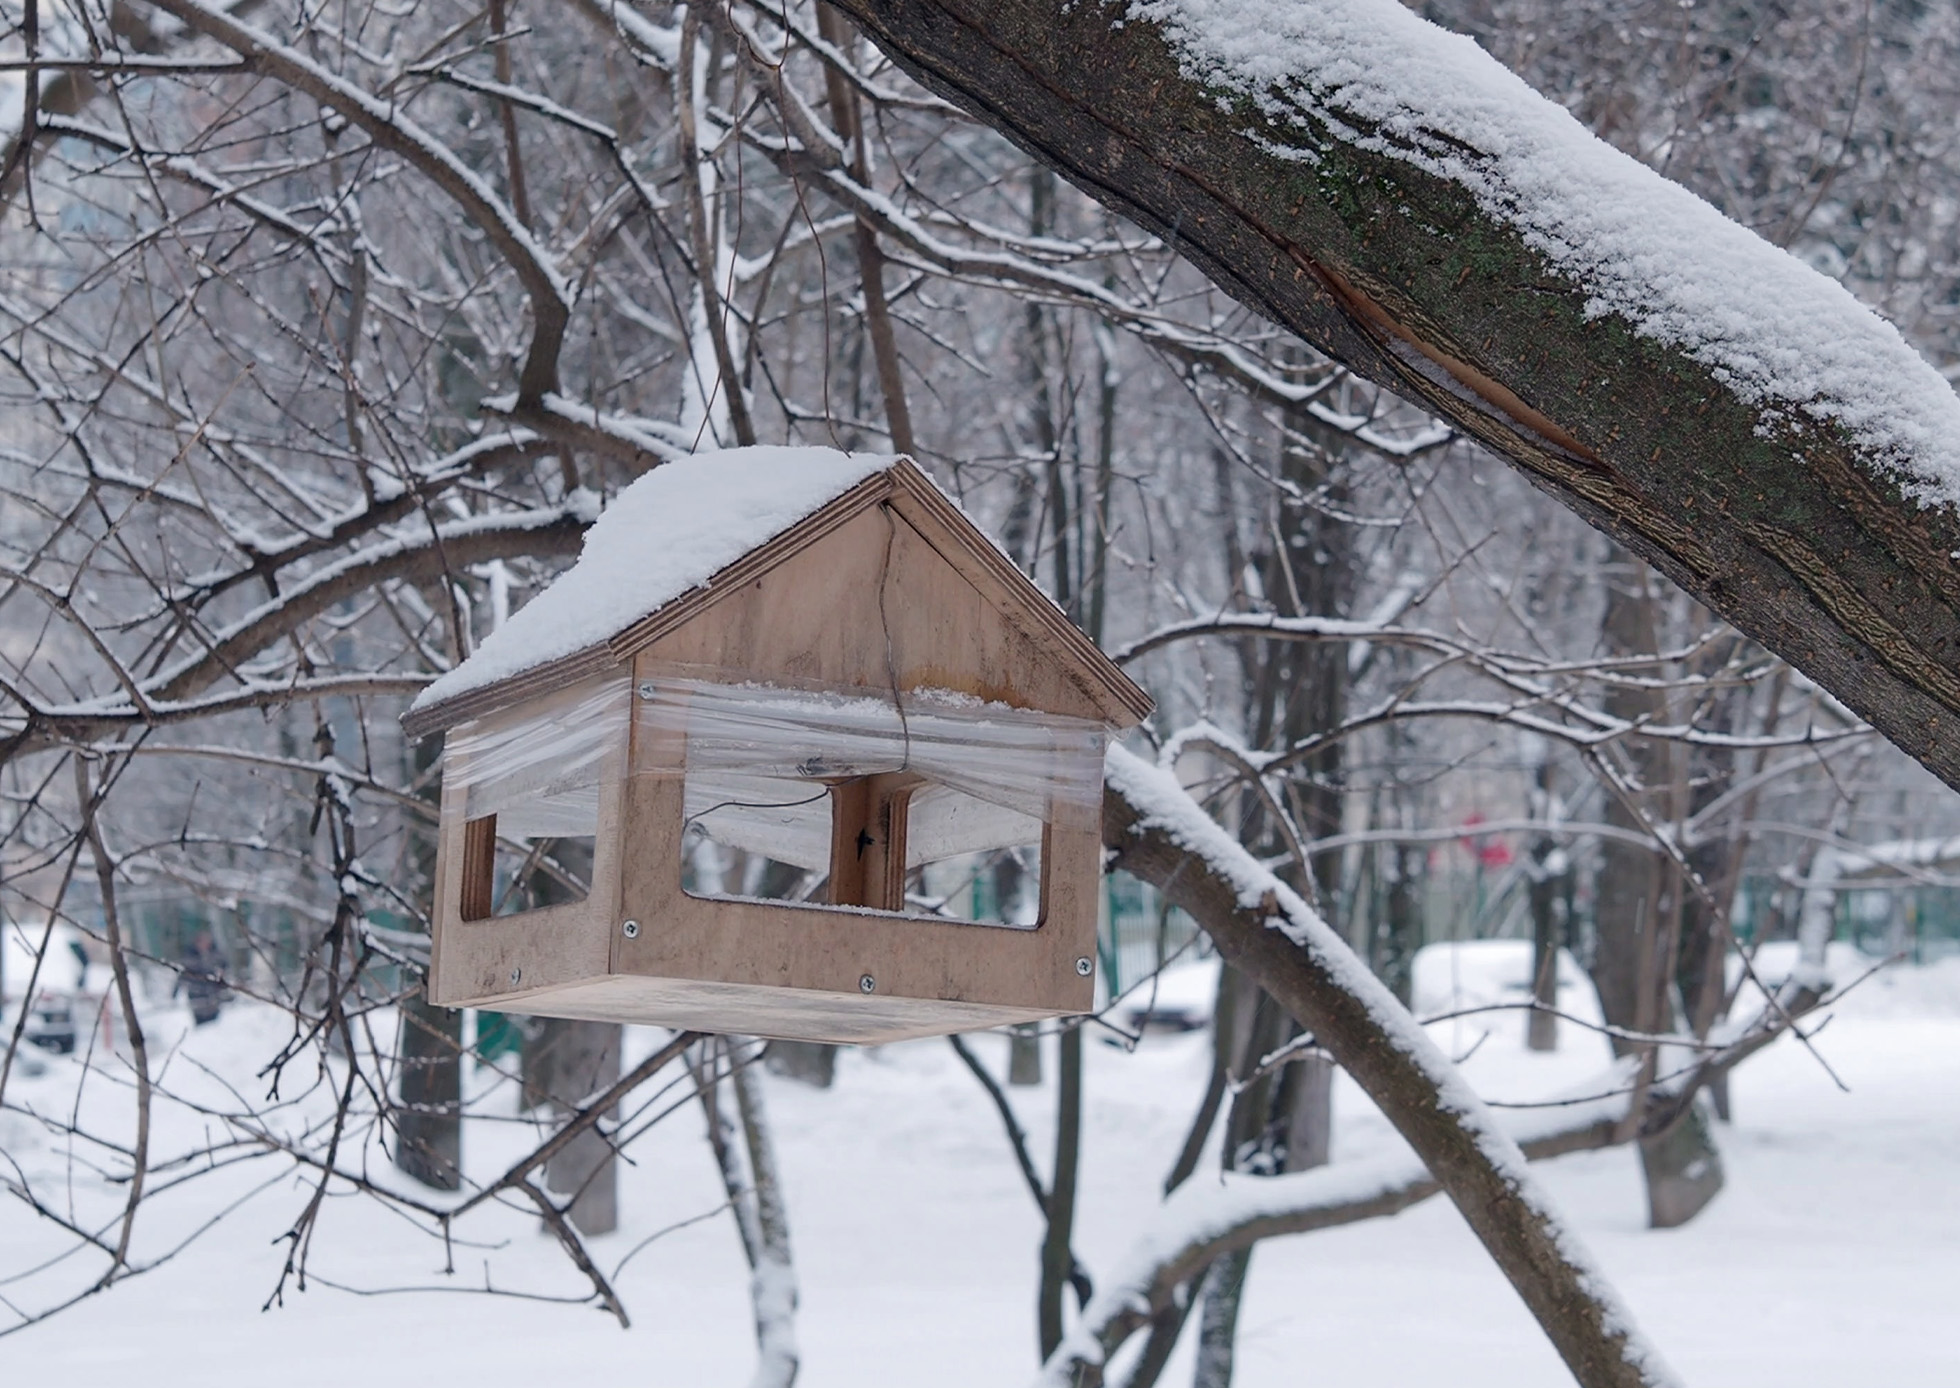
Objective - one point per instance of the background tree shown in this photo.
(283, 442)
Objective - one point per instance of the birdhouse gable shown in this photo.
(794, 549)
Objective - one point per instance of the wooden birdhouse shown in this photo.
(793, 750)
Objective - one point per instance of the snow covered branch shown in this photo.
(1384, 188)
(1156, 832)
(1203, 1221)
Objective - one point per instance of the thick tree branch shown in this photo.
(529, 534)
(1777, 517)
(1154, 831)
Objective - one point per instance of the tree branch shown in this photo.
(1409, 254)
(1154, 831)
(389, 127)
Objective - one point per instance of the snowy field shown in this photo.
(1833, 1257)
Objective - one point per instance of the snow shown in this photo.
(1777, 332)
(1470, 974)
(1830, 1258)
(1181, 996)
(669, 532)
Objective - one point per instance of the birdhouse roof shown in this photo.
(688, 532)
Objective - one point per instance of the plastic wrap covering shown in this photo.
(760, 761)
(537, 767)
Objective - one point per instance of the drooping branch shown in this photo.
(1154, 831)
(1398, 199)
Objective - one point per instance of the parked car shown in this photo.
(51, 1024)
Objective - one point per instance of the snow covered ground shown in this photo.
(1833, 1256)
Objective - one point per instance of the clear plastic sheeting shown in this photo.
(537, 767)
(760, 760)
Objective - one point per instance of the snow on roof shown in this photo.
(669, 532)
(1774, 330)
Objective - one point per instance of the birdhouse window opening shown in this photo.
(992, 886)
(530, 783)
(733, 849)
(935, 804)
(541, 872)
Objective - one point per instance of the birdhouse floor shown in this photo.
(787, 1014)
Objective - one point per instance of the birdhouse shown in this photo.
(794, 750)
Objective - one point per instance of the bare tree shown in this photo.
(324, 334)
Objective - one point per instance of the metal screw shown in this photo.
(515, 974)
(1084, 967)
(867, 984)
(631, 930)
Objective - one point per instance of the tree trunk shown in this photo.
(810, 1062)
(1633, 900)
(1547, 872)
(576, 1060)
(1278, 1121)
(1384, 256)
(1399, 933)
(1283, 1121)
(1683, 1168)
(1310, 1131)
(429, 1124)
(1024, 1056)
(1541, 1026)
(1057, 1255)
(1224, 1291)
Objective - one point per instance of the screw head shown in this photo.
(631, 930)
(867, 984)
(1085, 966)
(515, 975)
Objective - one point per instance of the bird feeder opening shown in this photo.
(997, 884)
(926, 803)
(528, 781)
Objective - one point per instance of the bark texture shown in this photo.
(1640, 906)
(1777, 524)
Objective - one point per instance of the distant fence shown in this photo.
(1923, 922)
